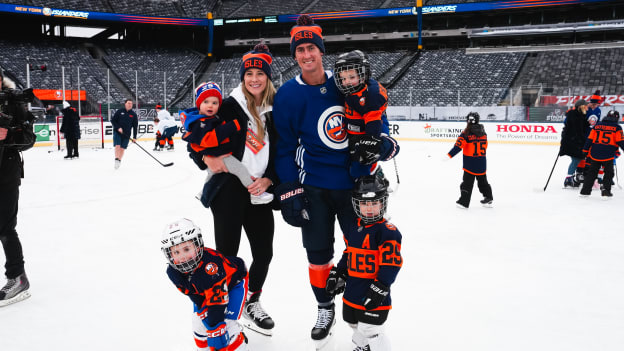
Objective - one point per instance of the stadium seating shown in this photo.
(575, 72)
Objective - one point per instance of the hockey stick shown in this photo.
(396, 171)
(152, 156)
(551, 172)
(617, 179)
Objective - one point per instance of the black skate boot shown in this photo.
(324, 323)
(15, 290)
(256, 318)
(606, 194)
(487, 202)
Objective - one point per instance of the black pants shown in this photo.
(72, 147)
(468, 183)
(232, 211)
(9, 197)
(591, 173)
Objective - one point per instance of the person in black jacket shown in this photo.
(250, 103)
(124, 122)
(70, 127)
(16, 135)
(573, 136)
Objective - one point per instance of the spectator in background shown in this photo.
(167, 121)
(124, 122)
(70, 127)
(16, 135)
(575, 131)
(51, 113)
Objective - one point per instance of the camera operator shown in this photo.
(16, 135)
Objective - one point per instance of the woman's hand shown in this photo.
(215, 164)
(259, 186)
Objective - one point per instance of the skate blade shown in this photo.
(252, 326)
(17, 298)
(322, 345)
(487, 205)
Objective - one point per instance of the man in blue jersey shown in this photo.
(312, 161)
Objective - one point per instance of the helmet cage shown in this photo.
(359, 69)
(370, 198)
(179, 233)
(354, 60)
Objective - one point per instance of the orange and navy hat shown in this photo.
(260, 57)
(305, 31)
(159, 106)
(596, 98)
(204, 90)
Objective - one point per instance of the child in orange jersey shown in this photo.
(473, 142)
(209, 136)
(365, 107)
(369, 265)
(601, 147)
(216, 284)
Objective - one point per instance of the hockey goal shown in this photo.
(91, 132)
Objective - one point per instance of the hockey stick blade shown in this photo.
(168, 164)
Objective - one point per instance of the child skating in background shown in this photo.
(601, 147)
(209, 136)
(473, 142)
(165, 130)
(216, 284)
(369, 265)
(365, 104)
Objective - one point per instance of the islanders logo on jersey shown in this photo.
(332, 129)
(211, 268)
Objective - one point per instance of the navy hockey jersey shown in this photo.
(474, 152)
(373, 252)
(604, 140)
(208, 285)
(364, 109)
(312, 147)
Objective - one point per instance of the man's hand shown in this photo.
(294, 203)
(3, 133)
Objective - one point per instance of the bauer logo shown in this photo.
(331, 128)
(42, 132)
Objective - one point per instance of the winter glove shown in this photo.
(376, 294)
(335, 281)
(294, 204)
(218, 336)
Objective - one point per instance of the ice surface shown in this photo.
(539, 271)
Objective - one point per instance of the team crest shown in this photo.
(211, 268)
(332, 129)
(323, 90)
(362, 101)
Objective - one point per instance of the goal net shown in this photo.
(91, 132)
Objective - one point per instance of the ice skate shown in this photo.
(255, 317)
(68, 157)
(117, 163)
(487, 202)
(606, 194)
(461, 205)
(323, 330)
(170, 148)
(15, 290)
(261, 199)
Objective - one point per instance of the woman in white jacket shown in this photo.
(254, 145)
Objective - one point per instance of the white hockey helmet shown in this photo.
(179, 232)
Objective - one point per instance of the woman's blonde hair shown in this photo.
(267, 100)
